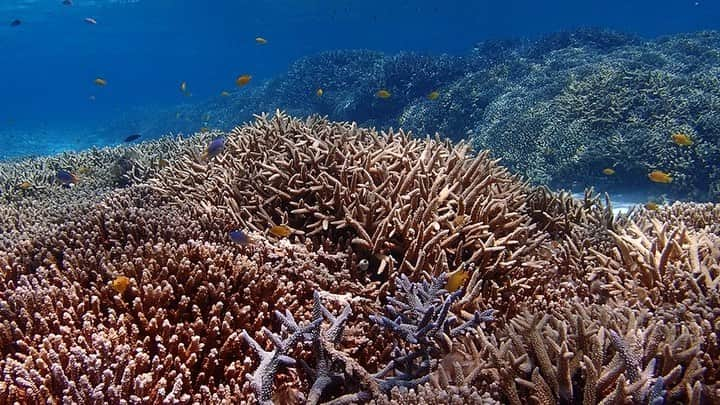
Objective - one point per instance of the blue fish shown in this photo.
(239, 237)
(65, 177)
(214, 149)
(132, 138)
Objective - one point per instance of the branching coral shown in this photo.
(588, 307)
(405, 205)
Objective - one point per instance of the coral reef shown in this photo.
(558, 110)
(558, 300)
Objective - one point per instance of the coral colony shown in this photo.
(400, 270)
(557, 110)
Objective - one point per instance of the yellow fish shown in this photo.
(281, 231)
(261, 40)
(319, 92)
(460, 220)
(608, 171)
(433, 95)
(224, 94)
(651, 206)
(681, 139)
(382, 93)
(183, 87)
(204, 129)
(120, 284)
(100, 81)
(243, 80)
(658, 176)
(456, 280)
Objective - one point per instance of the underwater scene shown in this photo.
(359, 202)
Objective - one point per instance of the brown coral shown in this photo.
(589, 308)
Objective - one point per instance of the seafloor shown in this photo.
(416, 271)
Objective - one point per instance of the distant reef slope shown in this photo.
(559, 110)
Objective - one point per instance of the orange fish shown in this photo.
(382, 93)
(456, 280)
(658, 176)
(460, 220)
(608, 171)
(681, 139)
(243, 80)
(281, 231)
(25, 185)
(120, 284)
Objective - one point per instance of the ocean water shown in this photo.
(145, 49)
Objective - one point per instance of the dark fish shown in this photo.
(215, 147)
(15, 23)
(239, 237)
(67, 2)
(65, 177)
(132, 138)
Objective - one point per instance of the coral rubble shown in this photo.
(562, 303)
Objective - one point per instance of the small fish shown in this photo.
(25, 185)
(65, 177)
(204, 129)
(460, 220)
(382, 93)
(83, 170)
(183, 87)
(239, 237)
(658, 176)
(681, 139)
(120, 284)
(91, 98)
(243, 80)
(456, 280)
(224, 94)
(90, 20)
(67, 2)
(651, 206)
(363, 265)
(100, 81)
(261, 40)
(15, 23)
(132, 138)
(433, 95)
(163, 163)
(319, 92)
(216, 146)
(608, 171)
(281, 231)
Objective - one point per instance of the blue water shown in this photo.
(146, 48)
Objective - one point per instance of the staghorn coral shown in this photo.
(43, 200)
(589, 307)
(405, 205)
